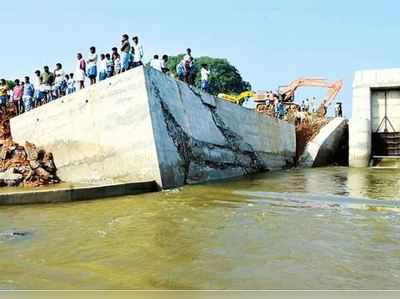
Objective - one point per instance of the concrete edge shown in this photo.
(76, 194)
(320, 147)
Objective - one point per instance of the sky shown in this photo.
(270, 42)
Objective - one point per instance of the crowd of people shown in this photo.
(48, 85)
(290, 111)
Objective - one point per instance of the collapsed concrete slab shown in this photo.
(322, 149)
(143, 125)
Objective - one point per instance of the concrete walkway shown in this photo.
(75, 193)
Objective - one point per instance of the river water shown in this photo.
(328, 228)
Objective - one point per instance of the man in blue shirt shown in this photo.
(280, 110)
(27, 97)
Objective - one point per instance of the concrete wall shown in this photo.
(100, 134)
(360, 127)
(70, 194)
(321, 150)
(201, 138)
(143, 125)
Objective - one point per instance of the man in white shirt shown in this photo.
(156, 63)
(91, 65)
(138, 50)
(59, 86)
(205, 72)
(102, 67)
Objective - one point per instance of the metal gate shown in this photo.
(385, 137)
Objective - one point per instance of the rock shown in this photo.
(10, 178)
(43, 174)
(48, 163)
(3, 153)
(31, 151)
(23, 164)
(34, 164)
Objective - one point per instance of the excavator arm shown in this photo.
(334, 88)
(287, 92)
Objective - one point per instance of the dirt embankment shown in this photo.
(305, 131)
(23, 165)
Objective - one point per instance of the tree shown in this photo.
(224, 77)
(10, 84)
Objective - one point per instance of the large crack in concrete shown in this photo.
(192, 150)
(234, 140)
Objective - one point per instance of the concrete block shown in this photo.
(322, 148)
(143, 125)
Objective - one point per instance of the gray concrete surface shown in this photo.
(321, 150)
(143, 125)
(75, 193)
(368, 110)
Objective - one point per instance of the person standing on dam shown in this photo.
(205, 72)
(102, 67)
(70, 83)
(47, 79)
(313, 105)
(27, 97)
(116, 61)
(164, 63)
(17, 96)
(307, 105)
(138, 52)
(3, 93)
(36, 85)
(188, 64)
(125, 55)
(92, 66)
(156, 63)
(280, 110)
(80, 71)
(60, 85)
(109, 65)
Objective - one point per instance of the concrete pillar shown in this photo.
(359, 142)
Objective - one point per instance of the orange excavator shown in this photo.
(286, 93)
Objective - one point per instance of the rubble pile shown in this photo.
(23, 165)
(307, 130)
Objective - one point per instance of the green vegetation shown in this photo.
(10, 84)
(224, 77)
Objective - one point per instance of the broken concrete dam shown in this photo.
(143, 125)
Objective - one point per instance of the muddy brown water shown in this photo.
(328, 228)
